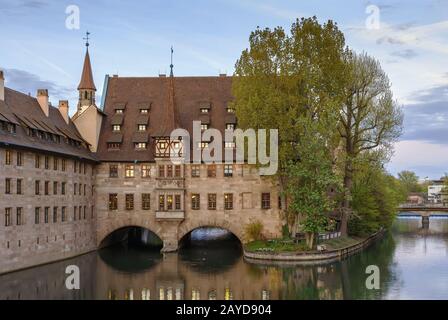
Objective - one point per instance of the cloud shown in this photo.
(17, 7)
(405, 54)
(27, 82)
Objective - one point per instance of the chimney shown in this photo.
(63, 109)
(2, 86)
(42, 98)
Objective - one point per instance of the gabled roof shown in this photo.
(174, 103)
(24, 111)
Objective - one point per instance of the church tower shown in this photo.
(88, 117)
(86, 87)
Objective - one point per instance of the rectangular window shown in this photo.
(161, 202)
(8, 157)
(228, 170)
(212, 201)
(47, 162)
(8, 185)
(47, 187)
(37, 215)
(169, 202)
(230, 110)
(140, 145)
(204, 126)
(129, 171)
(113, 171)
(229, 144)
(211, 171)
(146, 201)
(116, 128)
(75, 188)
(129, 201)
(119, 111)
(19, 217)
(204, 110)
(37, 187)
(265, 200)
(75, 166)
(146, 171)
(63, 187)
(55, 214)
(19, 186)
(85, 213)
(63, 214)
(113, 145)
(177, 171)
(203, 144)
(79, 212)
(195, 171)
(142, 127)
(195, 201)
(75, 213)
(55, 163)
(36, 161)
(169, 171)
(8, 221)
(55, 187)
(64, 164)
(161, 171)
(144, 111)
(230, 126)
(19, 159)
(228, 201)
(177, 204)
(85, 189)
(46, 214)
(113, 201)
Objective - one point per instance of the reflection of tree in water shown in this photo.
(353, 270)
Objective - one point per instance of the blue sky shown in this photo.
(134, 38)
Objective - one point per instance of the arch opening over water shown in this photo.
(131, 249)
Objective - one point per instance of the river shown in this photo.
(413, 264)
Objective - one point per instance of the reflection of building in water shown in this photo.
(173, 279)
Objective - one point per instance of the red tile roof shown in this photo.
(24, 111)
(87, 77)
(174, 102)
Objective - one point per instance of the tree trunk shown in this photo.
(346, 204)
(310, 238)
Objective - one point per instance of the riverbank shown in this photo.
(336, 249)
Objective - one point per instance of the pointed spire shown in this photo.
(171, 65)
(87, 76)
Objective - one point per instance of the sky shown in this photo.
(42, 46)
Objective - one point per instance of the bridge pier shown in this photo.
(425, 222)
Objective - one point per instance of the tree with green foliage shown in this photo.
(370, 120)
(309, 182)
(288, 82)
(409, 180)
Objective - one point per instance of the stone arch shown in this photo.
(189, 226)
(103, 234)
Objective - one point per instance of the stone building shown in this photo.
(67, 183)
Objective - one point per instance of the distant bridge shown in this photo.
(425, 211)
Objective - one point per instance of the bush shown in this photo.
(254, 231)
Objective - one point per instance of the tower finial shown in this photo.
(171, 65)
(87, 39)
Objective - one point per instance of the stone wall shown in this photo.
(30, 244)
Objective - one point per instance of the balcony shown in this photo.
(170, 215)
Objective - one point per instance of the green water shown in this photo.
(413, 264)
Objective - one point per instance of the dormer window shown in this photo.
(119, 111)
(204, 110)
(141, 145)
(142, 127)
(230, 126)
(116, 128)
(202, 144)
(113, 146)
(144, 111)
(229, 144)
(204, 126)
(230, 110)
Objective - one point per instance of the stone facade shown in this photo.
(171, 225)
(25, 241)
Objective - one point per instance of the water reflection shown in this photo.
(413, 265)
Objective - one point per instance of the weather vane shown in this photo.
(87, 38)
